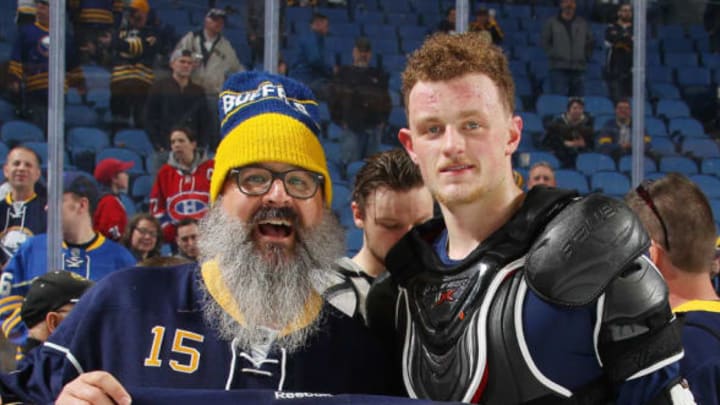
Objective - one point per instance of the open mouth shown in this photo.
(456, 168)
(275, 228)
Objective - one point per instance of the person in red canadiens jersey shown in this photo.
(182, 185)
(542, 297)
(110, 217)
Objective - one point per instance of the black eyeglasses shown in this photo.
(299, 183)
(645, 195)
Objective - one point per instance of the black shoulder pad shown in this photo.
(583, 248)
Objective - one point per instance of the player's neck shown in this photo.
(368, 262)
(80, 236)
(690, 286)
(470, 224)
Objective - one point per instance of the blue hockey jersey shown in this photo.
(145, 326)
(701, 341)
(20, 220)
(95, 261)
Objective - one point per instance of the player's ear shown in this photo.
(405, 138)
(358, 215)
(52, 321)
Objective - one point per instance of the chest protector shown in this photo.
(459, 324)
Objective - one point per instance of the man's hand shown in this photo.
(95, 387)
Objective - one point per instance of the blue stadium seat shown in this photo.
(134, 139)
(711, 60)
(425, 6)
(520, 11)
(542, 156)
(572, 179)
(523, 87)
(663, 146)
(688, 127)
(596, 87)
(385, 45)
(141, 187)
(670, 31)
(369, 17)
(715, 207)
(7, 111)
(81, 116)
(696, 31)
(601, 119)
(709, 184)
(332, 151)
(532, 122)
(588, 163)
(96, 77)
(655, 127)
(41, 148)
(397, 6)
(700, 148)
(677, 44)
(615, 184)
(397, 117)
(82, 139)
(99, 98)
(710, 166)
(594, 71)
(341, 197)
(625, 164)
(693, 76)
(353, 168)
(334, 14)
(681, 59)
(663, 90)
(380, 31)
(653, 176)
(393, 62)
(174, 17)
(678, 164)
(670, 109)
(18, 131)
(353, 240)
(597, 105)
(659, 74)
(334, 132)
(550, 105)
(124, 155)
(345, 29)
(323, 112)
(412, 31)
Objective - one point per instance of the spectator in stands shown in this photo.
(678, 218)
(311, 63)
(143, 236)
(389, 197)
(253, 314)
(134, 50)
(568, 42)
(23, 211)
(28, 67)
(570, 133)
(49, 300)
(25, 12)
(360, 103)
(182, 185)
(84, 251)
(615, 136)
(187, 236)
(176, 101)
(618, 67)
(93, 23)
(541, 173)
(215, 59)
(110, 216)
(486, 23)
(447, 24)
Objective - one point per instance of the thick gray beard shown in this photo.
(270, 285)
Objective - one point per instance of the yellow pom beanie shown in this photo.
(267, 118)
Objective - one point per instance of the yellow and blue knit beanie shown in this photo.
(267, 118)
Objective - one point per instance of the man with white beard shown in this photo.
(251, 315)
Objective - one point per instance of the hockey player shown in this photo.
(514, 298)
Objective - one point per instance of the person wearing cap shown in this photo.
(360, 103)
(251, 315)
(176, 101)
(134, 47)
(215, 59)
(49, 300)
(110, 217)
(23, 212)
(84, 251)
(679, 220)
(28, 69)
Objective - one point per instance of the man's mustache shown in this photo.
(264, 213)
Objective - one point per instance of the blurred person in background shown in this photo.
(143, 237)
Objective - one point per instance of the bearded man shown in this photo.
(251, 315)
